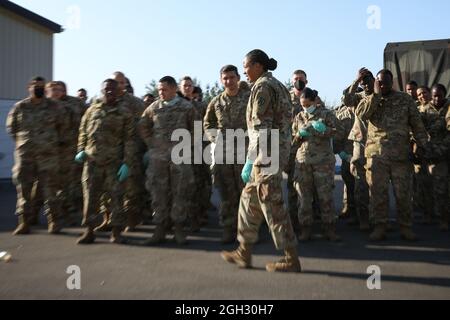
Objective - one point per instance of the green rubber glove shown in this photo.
(80, 157)
(303, 133)
(123, 173)
(247, 172)
(319, 126)
(344, 156)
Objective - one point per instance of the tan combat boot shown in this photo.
(330, 233)
(116, 236)
(242, 256)
(159, 236)
(22, 229)
(180, 236)
(88, 237)
(290, 263)
(379, 233)
(305, 234)
(229, 235)
(407, 234)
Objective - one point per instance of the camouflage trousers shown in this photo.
(422, 198)
(438, 197)
(362, 198)
(380, 173)
(25, 173)
(320, 179)
(171, 190)
(292, 193)
(200, 201)
(99, 182)
(227, 179)
(135, 195)
(263, 199)
(71, 189)
(349, 206)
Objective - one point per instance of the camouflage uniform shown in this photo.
(391, 118)
(315, 166)
(37, 131)
(107, 135)
(436, 126)
(269, 108)
(170, 183)
(135, 195)
(71, 172)
(224, 113)
(345, 119)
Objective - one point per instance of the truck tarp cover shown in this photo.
(426, 62)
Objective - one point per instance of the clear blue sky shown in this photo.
(330, 39)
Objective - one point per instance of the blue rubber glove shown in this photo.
(123, 173)
(319, 126)
(247, 172)
(344, 156)
(80, 157)
(303, 133)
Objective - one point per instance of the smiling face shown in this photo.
(166, 91)
(110, 92)
(230, 81)
(424, 96)
(253, 70)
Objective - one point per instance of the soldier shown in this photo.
(433, 116)
(269, 108)
(106, 146)
(72, 197)
(202, 175)
(411, 89)
(82, 95)
(35, 125)
(170, 182)
(135, 185)
(298, 75)
(148, 100)
(392, 116)
(197, 94)
(313, 129)
(358, 135)
(227, 111)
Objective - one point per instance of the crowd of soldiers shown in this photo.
(113, 158)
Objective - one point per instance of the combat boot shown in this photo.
(330, 233)
(229, 235)
(54, 228)
(88, 237)
(116, 236)
(242, 256)
(290, 263)
(379, 233)
(22, 229)
(407, 234)
(159, 236)
(180, 236)
(305, 234)
(104, 227)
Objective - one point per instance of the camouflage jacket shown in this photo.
(436, 125)
(73, 110)
(317, 148)
(296, 106)
(351, 97)
(36, 129)
(159, 121)
(134, 104)
(345, 118)
(391, 119)
(107, 134)
(269, 108)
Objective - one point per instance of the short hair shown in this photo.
(440, 87)
(230, 68)
(149, 95)
(169, 80)
(82, 89)
(51, 84)
(119, 74)
(309, 94)
(386, 72)
(259, 56)
(423, 88)
(36, 79)
(62, 84)
(198, 90)
(300, 73)
(412, 83)
(187, 78)
(111, 81)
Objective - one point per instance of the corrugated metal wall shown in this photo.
(26, 50)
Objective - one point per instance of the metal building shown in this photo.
(26, 50)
